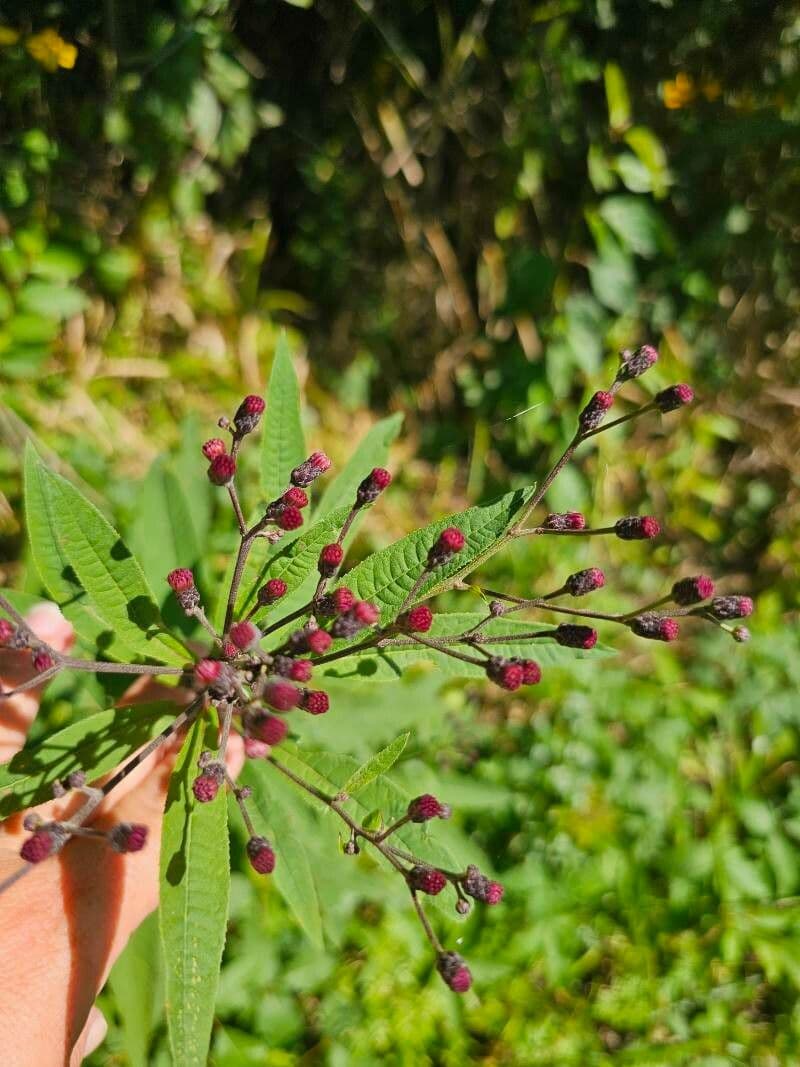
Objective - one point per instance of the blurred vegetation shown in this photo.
(460, 210)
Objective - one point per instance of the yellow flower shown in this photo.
(712, 90)
(8, 36)
(680, 92)
(51, 51)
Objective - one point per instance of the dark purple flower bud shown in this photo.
(450, 541)
(248, 414)
(426, 880)
(316, 464)
(634, 364)
(454, 971)
(261, 856)
(595, 411)
(573, 636)
(128, 837)
(583, 582)
(426, 807)
(567, 520)
(637, 528)
(372, 486)
(731, 607)
(692, 590)
(655, 627)
(674, 397)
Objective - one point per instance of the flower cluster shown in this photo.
(258, 671)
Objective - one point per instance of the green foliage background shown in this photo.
(460, 211)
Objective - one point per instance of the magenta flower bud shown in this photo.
(531, 672)
(418, 620)
(731, 607)
(7, 632)
(637, 528)
(300, 670)
(248, 414)
(281, 696)
(316, 464)
(336, 603)
(567, 520)
(222, 469)
(315, 701)
(674, 397)
(261, 856)
(330, 558)
(572, 636)
(505, 673)
(692, 590)
(271, 730)
(289, 518)
(454, 971)
(479, 887)
(207, 671)
(655, 627)
(41, 844)
(181, 582)
(213, 448)
(595, 411)
(244, 635)
(741, 634)
(634, 364)
(372, 486)
(426, 807)
(295, 497)
(271, 591)
(426, 880)
(42, 661)
(128, 837)
(583, 582)
(206, 786)
(318, 642)
(449, 543)
(367, 614)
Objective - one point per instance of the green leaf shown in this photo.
(137, 980)
(389, 664)
(637, 224)
(195, 884)
(371, 452)
(163, 534)
(617, 98)
(93, 745)
(282, 442)
(388, 576)
(57, 576)
(293, 875)
(376, 766)
(102, 564)
(650, 153)
(52, 300)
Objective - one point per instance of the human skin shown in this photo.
(66, 921)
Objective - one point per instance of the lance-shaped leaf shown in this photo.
(55, 571)
(101, 563)
(505, 639)
(282, 442)
(136, 981)
(371, 452)
(293, 875)
(195, 884)
(388, 576)
(376, 766)
(93, 745)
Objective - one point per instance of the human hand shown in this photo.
(64, 924)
